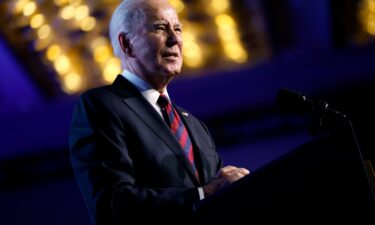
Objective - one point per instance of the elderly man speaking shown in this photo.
(136, 155)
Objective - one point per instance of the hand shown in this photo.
(223, 178)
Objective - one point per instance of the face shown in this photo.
(157, 46)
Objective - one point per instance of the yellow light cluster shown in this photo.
(178, 5)
(34, 18)
(227, 30)
(72, 81)
(80, 13)
(37, 21)
(102, 54)
(66, 55)
(61, 2)
(29, 8)
(367, 16)
(218, 6)
(193, 56)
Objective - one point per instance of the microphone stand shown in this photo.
(324, 119)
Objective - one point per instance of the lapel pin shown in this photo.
(185, 113)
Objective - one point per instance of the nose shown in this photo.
(173, 38)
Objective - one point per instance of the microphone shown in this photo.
(294, 101)
(322, 117)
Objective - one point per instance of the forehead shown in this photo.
(160, 12)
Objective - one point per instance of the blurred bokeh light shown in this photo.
(72, 36)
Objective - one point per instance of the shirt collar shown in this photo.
(151, 94)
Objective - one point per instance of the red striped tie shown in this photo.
(178, 129)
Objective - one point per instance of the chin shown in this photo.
(172, 71)
(175, 73)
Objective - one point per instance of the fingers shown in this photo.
(237, 174)
(225, 177)
(230, 170)
(225, 170)
(243, 171)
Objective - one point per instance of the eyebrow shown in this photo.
(177, 25)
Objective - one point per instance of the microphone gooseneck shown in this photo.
(322, 116)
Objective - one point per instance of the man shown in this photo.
(136, 156)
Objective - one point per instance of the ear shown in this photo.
(125, 44)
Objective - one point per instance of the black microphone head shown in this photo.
(322, 117)
(293, 101)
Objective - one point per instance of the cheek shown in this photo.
(152, 52)
(148, 56)
(145, 48)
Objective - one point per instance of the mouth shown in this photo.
(170, 55)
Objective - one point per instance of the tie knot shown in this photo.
(163, 101)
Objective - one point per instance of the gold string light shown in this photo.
(227, 30)
(367, 16)
(72, 37)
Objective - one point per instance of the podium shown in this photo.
(322, 181)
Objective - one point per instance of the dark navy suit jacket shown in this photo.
(129, 166)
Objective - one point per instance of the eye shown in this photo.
(178, 29)
(160, 27)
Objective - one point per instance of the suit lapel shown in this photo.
(139, 105)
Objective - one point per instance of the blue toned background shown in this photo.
(312, 51)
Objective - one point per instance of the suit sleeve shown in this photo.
(104, 170)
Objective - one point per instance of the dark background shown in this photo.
(314, 51)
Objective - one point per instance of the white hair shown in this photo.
(125, 19)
